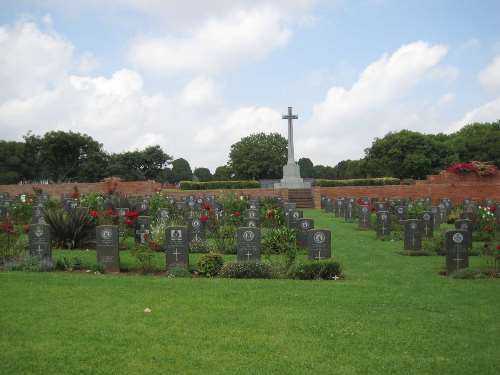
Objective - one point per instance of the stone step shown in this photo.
(301, 197)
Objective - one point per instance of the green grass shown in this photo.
(392, 315)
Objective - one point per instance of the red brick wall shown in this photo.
(445, 185)
(131, 188)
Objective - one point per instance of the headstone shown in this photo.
(108, 252)
(401, 213)
(328, 205)
(248, 247)
(413, 235)
(457, 256)
(364, 217)
(163, 214)
(339, 207)
(322, 202)
(443, 214)
(349, 211)
(427, 224)
(142, 228)
(70, 204)
(380, 206)
(319, 244)
(37, 216)
(497, 213)
(383, 224)
(177, 247)
(303, 226)
(436, 216)
(39, 242)
(3, 212)
(466, 226)
(196, 230)
(295, 216)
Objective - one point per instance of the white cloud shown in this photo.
(446, 99)
(490, 76)
(199, 92)
(485, 113)
(346, 121)
(243, 36)
(31, 60)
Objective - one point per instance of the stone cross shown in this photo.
(290, 117)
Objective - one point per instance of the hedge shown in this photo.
(358, 182)
(209, 185)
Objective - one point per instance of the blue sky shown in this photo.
(196, 76)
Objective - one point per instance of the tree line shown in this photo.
(60, 156)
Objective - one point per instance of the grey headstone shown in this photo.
(457, 256)
(427, 224)
(328, 205)
(107, 247)
(248, 244)
(401, 213)
(163, 214)
(349, 211)
(383, 224)
(364, 217)
(436, 216)
(39, 242)
(196, 230)
(177, 248)
(303, 226)
(467, 226)
(412, 236)
(319, 244)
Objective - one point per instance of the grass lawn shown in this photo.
(392, 315)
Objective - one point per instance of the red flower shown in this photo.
(270, 214)
(203, 218)
(26, 228)
(498, 247)
(236, 213)
(132, 214)
(7, 227)
(93, 214)
(493, 209)
(205, 206)
(488, 229)
(129, 222)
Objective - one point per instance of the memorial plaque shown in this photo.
(39, 242)
(295, 216)
(436, 216)
(248, 247)
(319, 244)
(383, 224)
(142, 228)
(349, 211)
(457, 256)
(443, 215)
(339, 207)
(163, 214)
(177, 247)
(364, 217)
(107, 247)
(251, 213)
(304, 225)
(380, 206)
(37, 216)
(412, 236)
(427, 224)
(287, 206)
(144, 207)
(196, 230)
(466, 226)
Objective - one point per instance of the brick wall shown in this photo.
(444, 185)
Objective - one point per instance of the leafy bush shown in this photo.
(29, 264)
(436, 244)
(358, 182)
(144, 258)
(281, 240)
(94, 201)
(193, 185)
(468, 273)
(198, 247)
(178, 272)
(12, 247)
(224, 239)
(316, 270)
(73, 229)
(246, 270)
(210, 264)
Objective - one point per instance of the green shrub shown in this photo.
(358, 182)
(94, 201)
(12, 246)
(178, 272)
(246, 270)
(468, 273)
(198, 247)
(209, 185)
(280, 240)
(224, 239)
(316, 270)
(73, 229)
(29, 264)
(144, 258)
(210, 264)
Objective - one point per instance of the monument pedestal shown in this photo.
(291, 178)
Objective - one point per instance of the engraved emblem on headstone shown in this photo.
(319, 237)
(38, 232)
(176, 234)
(426, 216)
(106, 234)
(248, 235)
(304, 225)
(458, 238)
(196, 223)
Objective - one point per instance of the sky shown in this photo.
(196, 76)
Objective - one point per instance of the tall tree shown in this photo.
(181, 170)
(223, 173)
(306, 168)
(203, 174)
(259, 156)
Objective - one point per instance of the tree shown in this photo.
(259, 156)
(203, 174)
(148, 164)
(477, 142)
(223, 173)
(407, 154)
(350, 169)
(181, 171)
(306, 168)
(12, 168)
(326, 172)
(67, 156)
